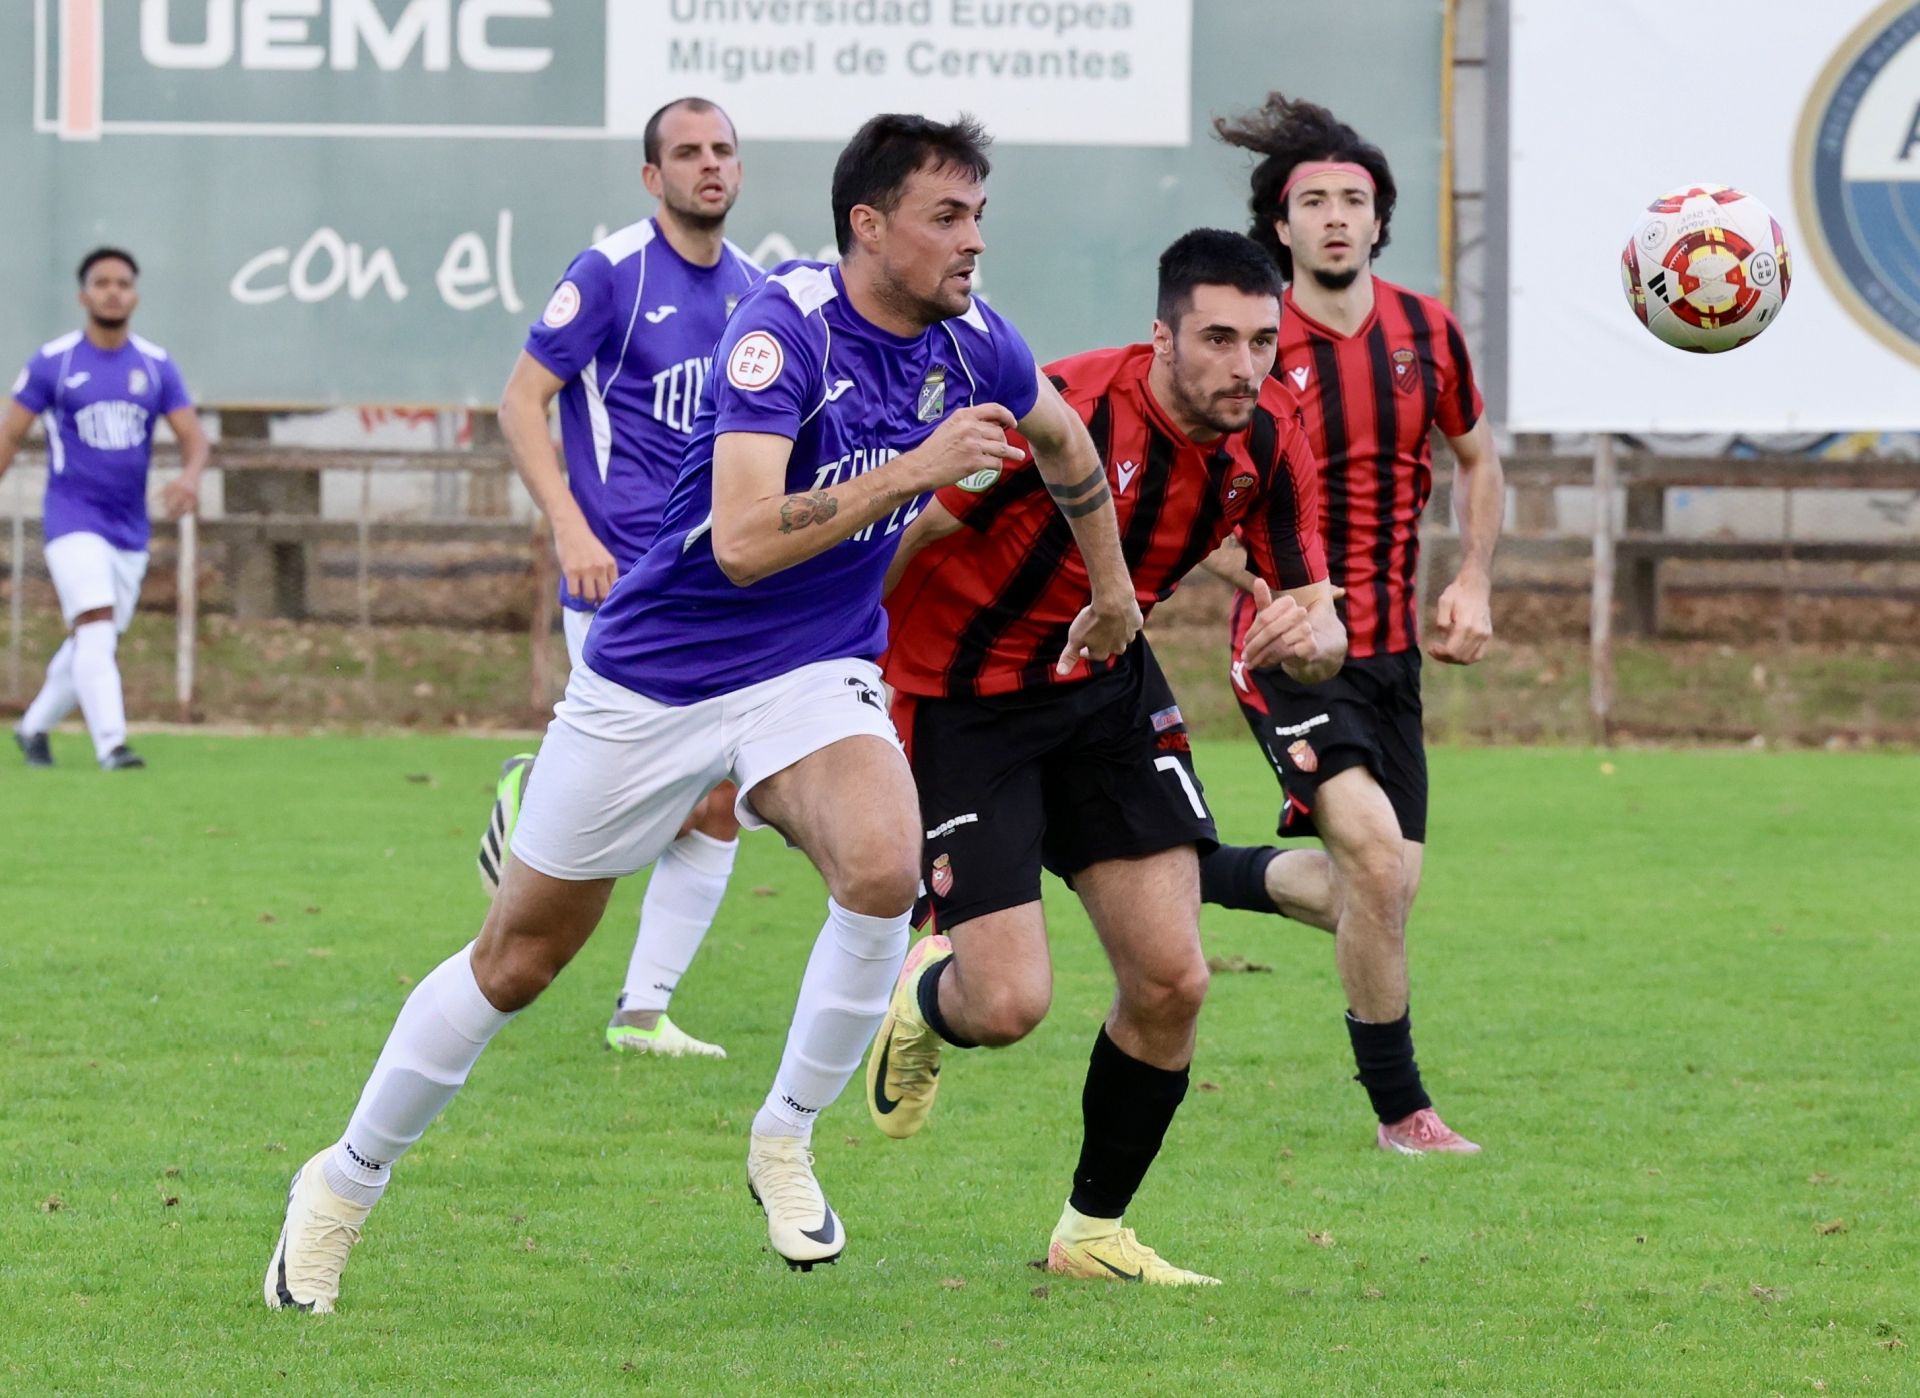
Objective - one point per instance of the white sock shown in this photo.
(57, 695)
(434, 1044)
(683, 895)
(96, 675)
(843, 998)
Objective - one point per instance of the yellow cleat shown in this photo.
(903, 1067)
(1118, 1256)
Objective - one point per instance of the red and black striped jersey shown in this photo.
(1371, 401)
(986, 609)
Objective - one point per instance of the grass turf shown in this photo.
(1671, 993)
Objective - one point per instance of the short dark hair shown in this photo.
(883, 154)
(1212, 257)
(650, 138)
(103, 255)
(1288, 133)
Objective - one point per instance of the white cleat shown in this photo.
(320, 1230)
(663, 1037)
(802, 1226)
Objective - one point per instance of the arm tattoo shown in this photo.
(1086, 485)
(799, 511)
(1087, 506)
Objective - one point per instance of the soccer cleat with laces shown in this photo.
(1118, 1256)
(1423, 1133)
(35, 748)
(801, 1225)
(663, 1037)
(497, 841)
(320, 1230)
(903, 1066)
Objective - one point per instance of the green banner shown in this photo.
(365, 201)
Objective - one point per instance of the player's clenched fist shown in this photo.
(1281, 631)
(971, 439)
(585, 563)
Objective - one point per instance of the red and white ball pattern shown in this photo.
(1706, 268)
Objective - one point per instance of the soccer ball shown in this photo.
(1706, 268)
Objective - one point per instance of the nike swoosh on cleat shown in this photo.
(883, 1103)
(1123, 1275)
(824, 1236)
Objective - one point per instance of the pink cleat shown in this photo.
(1424, 1133)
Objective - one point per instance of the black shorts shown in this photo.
(1060, 777)
(1368, 716)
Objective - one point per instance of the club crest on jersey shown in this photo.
(1406, 377)
(1243, 481)
(1303, 756)
(940, 879)
(137, 382)
(933, 395)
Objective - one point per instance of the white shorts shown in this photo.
(618, 773)
(573, 625)
(90, 574)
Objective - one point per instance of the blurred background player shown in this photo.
(744, 642)
(97, 391)
(1082, 768)
(626, 343)
(1377, 369)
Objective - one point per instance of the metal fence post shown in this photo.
(1600, 627)
(17, 620)
(363, 580)
(186, 614)
(546, 589)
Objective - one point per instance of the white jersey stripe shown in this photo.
(597, 415)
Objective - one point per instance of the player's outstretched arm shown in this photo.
(585, 563)
(182, 493)
(1067, 460)
(1299, 631)
(760, 529)
(1464, 613)
(1229, 563)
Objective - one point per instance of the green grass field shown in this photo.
(1672, 993)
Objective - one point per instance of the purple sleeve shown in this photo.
(1016, 382)
(173, 389)
(766, 367)
(578, 316)
(33, 390)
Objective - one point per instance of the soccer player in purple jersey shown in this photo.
(97, 391)
(743, 643)
(625, 344)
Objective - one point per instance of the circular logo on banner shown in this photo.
(1857, 174)
(756, 361)
(562, 306)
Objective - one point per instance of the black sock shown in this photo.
(1127, 1106)
(928, 990)
(1384, 1055)
(1235, 876)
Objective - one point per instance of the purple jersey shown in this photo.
(631, 328)
(98, 407)
(799, 362)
